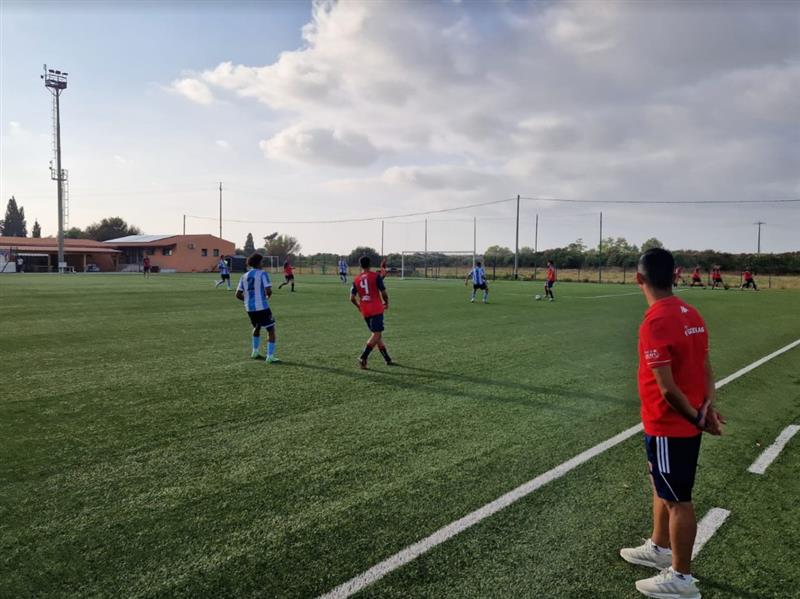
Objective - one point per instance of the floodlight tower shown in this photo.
(56, 82)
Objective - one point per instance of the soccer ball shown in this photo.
(538, 297)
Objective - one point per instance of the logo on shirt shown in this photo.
(684, 310)
(687, 331)
(651, 354)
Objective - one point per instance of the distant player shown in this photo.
(146, 267)
(369, 295)
(697, 278)
(749, 281)
(478, 276)
(343, 270)
(224, 273)
(383, 267)
(551, 280)
(716, 278)
(288, 275)
(677, 276)
(254, 290)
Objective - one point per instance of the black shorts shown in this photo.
(673, 463)
(262, 318)
(374, 323)
(549, 284)
(479, 286)
(146, 268)
(225, 277)
(288, 278)
(749, 283)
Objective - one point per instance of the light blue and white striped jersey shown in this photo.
(254, 284)
(478, 275)
(223, 268)
(342, 266)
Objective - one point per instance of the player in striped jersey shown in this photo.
(224, 273)
(343, 270)
(478, 276)
(255, 289)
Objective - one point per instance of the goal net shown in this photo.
(437, 265)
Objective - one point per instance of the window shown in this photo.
(151, 251)
(192, 246)
(204, 252)
(216, 252)
(167, 251)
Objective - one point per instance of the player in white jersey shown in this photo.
(224, 273)
(343, 270)
(255, 289)
(478, 276)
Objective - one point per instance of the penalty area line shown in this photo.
(447, 532)
(770, 453)
(706, 528)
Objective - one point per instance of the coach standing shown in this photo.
(676, 389)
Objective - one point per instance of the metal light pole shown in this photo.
(220, 209)
(600, 253)
(759, 223)
(516, 243)
(56, 82)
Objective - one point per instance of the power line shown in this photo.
(577, 201)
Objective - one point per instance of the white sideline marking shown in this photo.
(770, 453)
(706, 528)
(414, 550)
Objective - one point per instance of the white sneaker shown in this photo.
(669, 585)
(472, 301)
(649, 554)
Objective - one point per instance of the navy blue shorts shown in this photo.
(262, 318)
(673, 463)
(374, 323)
(477, 286)
(549, 284)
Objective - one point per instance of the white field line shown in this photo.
(770, 453)
(422, 546)
(706, 528)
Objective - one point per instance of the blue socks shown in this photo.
(256, 343)
(270, 348)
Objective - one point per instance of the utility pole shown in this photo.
(516, 244)
(474, 239)
(220, 209)
(56, 82)
(382, 254)
(759, 223)
(535, 244)
(426, 248)
(600, 253)
(184, 224)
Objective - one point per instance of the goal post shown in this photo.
(436, 265)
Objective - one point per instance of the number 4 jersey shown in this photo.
(368, 287)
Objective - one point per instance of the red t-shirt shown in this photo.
(747, 275)
(287, 269)
(716, 274)
(696, 273)
(368, 286)
(146, 262)
(673, 333)
(551, 273)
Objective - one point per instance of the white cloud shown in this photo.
(303, 143)
(193, 89)
(223, 145)
(120, 159)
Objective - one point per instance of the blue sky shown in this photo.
(386, 108)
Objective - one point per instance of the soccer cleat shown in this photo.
(255, 355)
(552, 299)
(668, 584)
(273, 360)
(649, 555)
(362, 364)
(472, 301)
(390, 363)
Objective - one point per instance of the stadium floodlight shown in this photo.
(56, 82)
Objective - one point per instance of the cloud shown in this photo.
(302, 143)
(193, 89)
(223, 145)
(120, 159)
(596, 99)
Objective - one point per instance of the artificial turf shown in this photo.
(144, 454)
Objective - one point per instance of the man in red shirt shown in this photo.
(551, 280)
(676, 389)
(146, 267)
(716, 278)
(288, 275)
(749, 281)
(697, 278)
(368, 294)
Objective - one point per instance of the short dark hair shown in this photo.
(657, 267)
(478, 263)
(365, 262)
(254, 260)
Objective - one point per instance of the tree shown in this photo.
(37, 229)
(282, 246)
(14, 223)
(249, 245)
(356, 254)
(74, 233)
(110, 228)
(651, 243)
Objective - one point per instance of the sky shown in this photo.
(326, 111)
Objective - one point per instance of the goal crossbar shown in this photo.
(429, 258)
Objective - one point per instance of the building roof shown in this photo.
(50, 244)
(140, 239)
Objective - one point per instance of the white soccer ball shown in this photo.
(538, 297)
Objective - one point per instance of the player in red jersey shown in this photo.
(551, 280)
(716, 278)
(697, 278)
(749, 281)
(677, 278)
(676, 389)
(369, 295)
(288, 275)
(146, 267)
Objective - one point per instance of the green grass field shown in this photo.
(145, 455)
